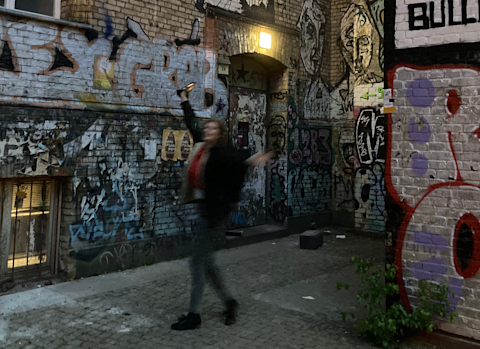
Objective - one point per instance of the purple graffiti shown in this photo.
(434, 268)
(429, 268)
(419, 164)
(432, 241)
(421, 93)
(419, 132)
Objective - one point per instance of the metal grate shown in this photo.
(29, 225)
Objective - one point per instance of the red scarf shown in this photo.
(195, 171)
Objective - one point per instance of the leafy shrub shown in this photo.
(384, 325)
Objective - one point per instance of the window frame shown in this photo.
(52, 243)
(10, 5)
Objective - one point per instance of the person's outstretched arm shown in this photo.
(191, 120)
(259, 159)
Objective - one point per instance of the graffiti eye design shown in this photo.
(452, 103)
(466, 247)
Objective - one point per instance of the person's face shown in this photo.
(211, 132)
(312, 33)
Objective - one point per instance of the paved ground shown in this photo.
(134, 309)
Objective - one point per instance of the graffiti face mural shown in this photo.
(312, 35)
(276, 133)
(357, 39)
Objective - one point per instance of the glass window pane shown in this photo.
(45, 7)
(2, 2)
(29, 230)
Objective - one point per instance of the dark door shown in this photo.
(247, 131)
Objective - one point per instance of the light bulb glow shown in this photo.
(265, 40)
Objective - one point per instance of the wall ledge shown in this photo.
(43, 18)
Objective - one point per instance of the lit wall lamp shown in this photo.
(265, 40)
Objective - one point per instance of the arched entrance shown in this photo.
(253, 79)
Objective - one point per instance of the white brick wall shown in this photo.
(435, 176)
(35, 81)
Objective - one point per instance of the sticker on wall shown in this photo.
(103, 73)
(388, 101)
(176, 145)
(150, 149)
(368, 95)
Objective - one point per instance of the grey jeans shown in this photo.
(204, 267)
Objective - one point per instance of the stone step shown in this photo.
(253, 235)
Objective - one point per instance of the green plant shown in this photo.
(385, 325)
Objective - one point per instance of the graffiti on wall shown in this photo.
(435, 144)
(360, 42)
(343, 169)
(312, 24)
(248, 73)
(369, 173)
(327, 95)
(247, 127)
(309, 162)
(277, 141)
(259, 9)
(435, 18)
(33, 150)
(133, 72)
(109, 207)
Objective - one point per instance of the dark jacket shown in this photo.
(224, 173)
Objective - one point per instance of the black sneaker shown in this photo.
(231, 313)
(189, 322)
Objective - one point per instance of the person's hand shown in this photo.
(260, 159)
(184, 96)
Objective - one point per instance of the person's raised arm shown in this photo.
(191, 120)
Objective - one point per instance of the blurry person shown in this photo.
(213, 180)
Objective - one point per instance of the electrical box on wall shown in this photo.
(223, 65)
(223, 69)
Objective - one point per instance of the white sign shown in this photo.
(438, 22)
(369, 95)
(387, 98)
(150, 149)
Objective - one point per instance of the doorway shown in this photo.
(253, 79)
(247, 132)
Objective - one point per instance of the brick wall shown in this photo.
(432, 163)
(116, 191)
(331, 87)
(168, 19)
(94, 108)
(73, 67)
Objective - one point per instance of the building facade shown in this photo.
(433, 157)
(370, 104)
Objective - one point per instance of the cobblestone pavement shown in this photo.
(134, 309)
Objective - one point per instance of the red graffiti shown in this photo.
(440, 194)
(453, 103)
